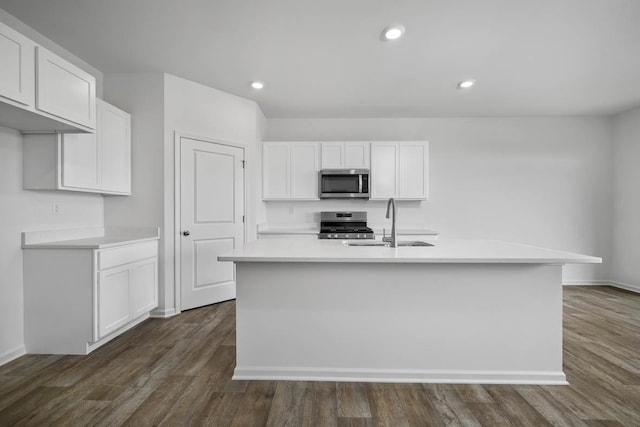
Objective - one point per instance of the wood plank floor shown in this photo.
(177, 372)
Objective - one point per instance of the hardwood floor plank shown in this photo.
(515, 406)
(556, 414)
(489, 414)
(386, 409)
(321, 405)
(256, 404)
(156, 407)
(352, 401)
(449, 405)
(418, 407)
(472, 393)
(287, 406)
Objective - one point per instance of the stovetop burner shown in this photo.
(344, 225)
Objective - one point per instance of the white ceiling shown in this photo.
(324, 58)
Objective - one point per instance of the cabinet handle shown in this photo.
(186, 233)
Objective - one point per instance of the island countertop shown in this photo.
(444, 251)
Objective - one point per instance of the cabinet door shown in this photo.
(114, 309)
(413, 170)
(275, 170)
(17, 69)
(332, 155)
(144, 287)
(304, 170)
(384, 175)
(356, 155)
(79, 162)
(64, 90)
(114, 139)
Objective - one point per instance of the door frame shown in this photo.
(177, 197)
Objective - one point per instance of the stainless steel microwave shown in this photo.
(344, 184)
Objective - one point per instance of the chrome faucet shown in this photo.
(393, 240)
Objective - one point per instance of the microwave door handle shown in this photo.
(360, 182)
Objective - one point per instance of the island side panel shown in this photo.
(470, 323)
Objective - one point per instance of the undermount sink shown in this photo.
(378, 243)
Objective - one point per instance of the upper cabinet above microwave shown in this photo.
(40, 91)
(345, 155)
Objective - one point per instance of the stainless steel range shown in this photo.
(344, 225)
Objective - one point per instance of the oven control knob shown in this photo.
(347, 236)
(357, 236)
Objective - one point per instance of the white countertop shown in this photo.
(91, 238)
(444, 251)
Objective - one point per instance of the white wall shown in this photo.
(197, 110)
(626, 212)
(24, 210)
(539, 181)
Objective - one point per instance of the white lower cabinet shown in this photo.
(114, 288)
(78, 299)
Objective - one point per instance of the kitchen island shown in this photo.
(462, 311)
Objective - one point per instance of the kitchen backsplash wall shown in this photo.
(539, 181)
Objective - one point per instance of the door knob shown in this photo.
(186, 233)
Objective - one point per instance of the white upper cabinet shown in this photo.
(305, 165)
(276, 180)
(17, 67)
(97, 163)
(114, 139)
(400, 170)
(290, 170)
(345, 155)
(39, 91)
(64, 90)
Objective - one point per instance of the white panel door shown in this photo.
(413, 170)
(384, 175)
(275, 170)
(356, 155)
(80, 161)
(211, 215)
(332, 155)
(304, 170)
(17, 68)
(114, 138)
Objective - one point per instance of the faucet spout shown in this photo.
(393, 240)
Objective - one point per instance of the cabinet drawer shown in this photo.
(108, 258)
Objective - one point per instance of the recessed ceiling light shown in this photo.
(392, 32)
(466, 84)
(257, 85)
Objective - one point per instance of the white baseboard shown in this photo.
(399, 375)
(12, 354)
(163, 313)
(626, 286)
(586, 282)
(632, 288)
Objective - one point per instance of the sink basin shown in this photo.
(378, 243)
(366, 243)
(414, 243)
